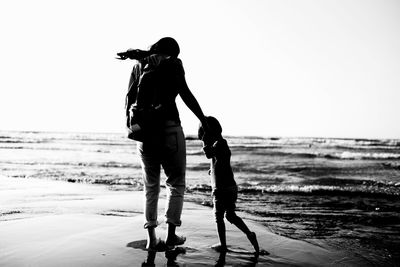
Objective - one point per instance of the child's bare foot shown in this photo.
(253, 240)
(219, 248)
(175, 241)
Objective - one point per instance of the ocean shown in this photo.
(336, 193)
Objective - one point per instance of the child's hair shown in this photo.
(214, 126)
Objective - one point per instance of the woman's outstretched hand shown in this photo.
(132, 54)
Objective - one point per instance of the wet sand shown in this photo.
(56, 223)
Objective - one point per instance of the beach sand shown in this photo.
(55, 223)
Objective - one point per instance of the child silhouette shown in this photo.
(224, 188)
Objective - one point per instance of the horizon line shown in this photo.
(190, 135)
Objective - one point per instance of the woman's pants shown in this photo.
(170, 153)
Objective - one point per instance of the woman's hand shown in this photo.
(205, 126)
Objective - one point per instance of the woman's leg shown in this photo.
(151, 179)
(174, 164)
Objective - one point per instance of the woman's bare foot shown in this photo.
(151, 237)
(175, 241)
(151, 242)
(253, 240)
(156, 245)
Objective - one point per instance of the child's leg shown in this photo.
(239, 223)
(253, 240)
(230, 198)
(219, 219)
(221, 235)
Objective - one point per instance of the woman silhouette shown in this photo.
(165, 146)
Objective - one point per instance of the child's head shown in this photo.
(215, 130)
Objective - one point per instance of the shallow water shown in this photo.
(341, 193)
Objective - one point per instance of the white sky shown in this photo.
(265, 68)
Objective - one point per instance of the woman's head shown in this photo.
(166, 45)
